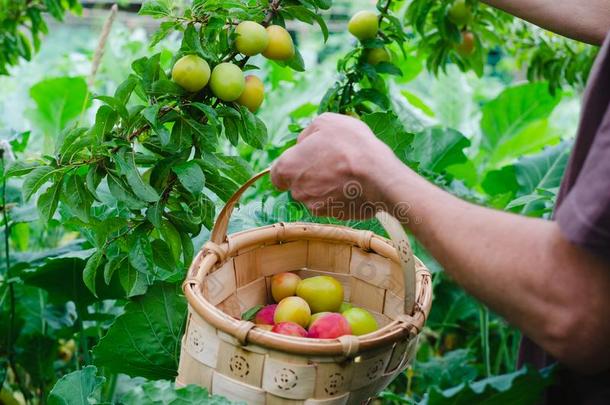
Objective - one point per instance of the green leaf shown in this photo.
(501, 181)
(36, 178)
(58, 102)
(124, 90)
(116, 104)
(163, 31)
(388, 128)
(231, 129)
(162, 255)
(156, 8)
(71, 142)
(90, 270)
(436, 148)
(171, 236)
(388, 68)
(77, 197)
(144, 340)
(190, 176)
(105, 118)
(47, 201)
(374, 96)
(164, 392)
(521, 387)
(127, 167)
(140, 253)
(79, 387)
(251, 313)
(203, 135)
(513, 110)
(123, 193)
(181, 136)
(165, 87)
(253, 131)
(188, 250)
(454, 367)
(151, 114)
(37, 354)
(544, 170)
(134, 282)
(19, 168)
(62, 278)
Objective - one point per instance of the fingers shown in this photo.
(317, 125)
(286, 167)
(279, 176)
(310, 130)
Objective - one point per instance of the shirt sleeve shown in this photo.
(584, 214)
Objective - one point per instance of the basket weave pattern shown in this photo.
(232, 273)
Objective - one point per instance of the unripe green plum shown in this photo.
(375, 56)
(252, 38)
(316, 316)
(345, 306)
(361, 321)
(253, 94)
(322, 293)
(292, 309)
(191, 73)
(468, 44)
(290, 329)
(280, 45)
(460, 13)
(364, 25)
(227, 81)
(329, 326)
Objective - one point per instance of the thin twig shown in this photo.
(99, 51)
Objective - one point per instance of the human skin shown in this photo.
(523, 268)
(584, 20)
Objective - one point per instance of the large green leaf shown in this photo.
(390, 130)
(512, 111)
(62, 278)
(165, 393)
(144, 341)
(77, 388)
(436, 148)
(191, 176)
(37, 354)
(531, 139)
(58, 102)
(452, 368)
(544, 170)
(521, 387)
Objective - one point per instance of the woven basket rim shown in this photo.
(408, 325)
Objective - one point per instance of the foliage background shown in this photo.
(494, 128)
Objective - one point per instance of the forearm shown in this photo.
(521, 267)
(587, 21)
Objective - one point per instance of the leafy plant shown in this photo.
(17, 17)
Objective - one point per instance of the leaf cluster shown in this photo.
(22, 24)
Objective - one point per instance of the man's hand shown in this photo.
(337, 168)
(523, 268)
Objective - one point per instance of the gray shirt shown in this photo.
(583, 215)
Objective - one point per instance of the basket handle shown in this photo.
(392, 226)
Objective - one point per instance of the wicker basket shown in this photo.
(233, 358)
